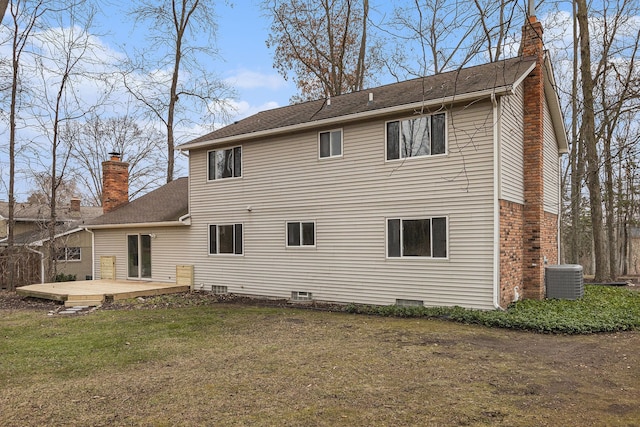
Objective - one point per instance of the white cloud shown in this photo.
(247, 79)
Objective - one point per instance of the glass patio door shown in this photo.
(139, 256)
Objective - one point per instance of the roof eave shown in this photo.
(554, 107)
(138, 225)
(502, 90)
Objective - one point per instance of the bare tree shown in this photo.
(24, 16)
(65, 53)
(139, 144)
(323, 45)
(587, 133)
(175, 83)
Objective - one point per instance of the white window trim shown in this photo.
(218, 254)
(138, 278)
(331, 156)
(415, 258)
(66, 254)
(300, 246)
(231, 177)
(430, 156)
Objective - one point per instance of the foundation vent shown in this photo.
(301, 296)
(219, 290)
(409, 303)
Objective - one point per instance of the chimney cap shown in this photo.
(115, 155)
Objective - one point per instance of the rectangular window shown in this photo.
(301, 233)
(224, 163)
(425, 237)
(225, 239)
(68, 254)
(331, 143)
(421, 136)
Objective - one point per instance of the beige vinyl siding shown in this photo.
(350, 198)
(511, 148)
(551, 165)
(168, 249)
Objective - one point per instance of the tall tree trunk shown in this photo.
(576, 176)
(588, 136)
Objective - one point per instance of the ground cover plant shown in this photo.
(193, 360)
(602, 309)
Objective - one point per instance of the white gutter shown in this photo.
(41, 262)
(351, 117)
(185, 219)
(66, 233)
(140, 224)
(496, 203)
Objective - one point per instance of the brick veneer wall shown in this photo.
(533, 263)
(115, 184)
(511, 251)
(550, 238)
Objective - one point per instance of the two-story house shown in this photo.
(442, 190)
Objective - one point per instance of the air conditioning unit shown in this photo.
(564, 281)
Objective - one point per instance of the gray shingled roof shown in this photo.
(40, 212)
(167, 203)
(30, 237)
(503, 74)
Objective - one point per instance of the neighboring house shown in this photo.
(443, 190)
(73, 243)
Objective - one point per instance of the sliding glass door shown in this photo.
(139, 256)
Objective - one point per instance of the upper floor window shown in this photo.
(331, 143)
(301, 233)
(224, 163)
(424, 237)
(421, 136)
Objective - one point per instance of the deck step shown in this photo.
(82, 302)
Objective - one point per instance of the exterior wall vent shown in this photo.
(301, 296)
(564, 281)
(409, 303)
(219, 290)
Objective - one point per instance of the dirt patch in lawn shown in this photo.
(202, 359)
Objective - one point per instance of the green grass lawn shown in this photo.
(223, 364)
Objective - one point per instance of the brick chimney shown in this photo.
(533, 221)
(115, 183)
(74, 205)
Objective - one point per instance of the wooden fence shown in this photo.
(27, 268)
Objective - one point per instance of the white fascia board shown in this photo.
(137, 225)
(554, 107)
(502, 90)
(56, 236)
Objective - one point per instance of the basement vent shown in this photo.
(219, 289)
(409, 303)
(301, 296)
(564, 281)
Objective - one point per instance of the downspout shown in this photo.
(496, 203)
(184, 217)
(93, 253)
(41, 262)
(559, 206)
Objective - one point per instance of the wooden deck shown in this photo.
(95, 292)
